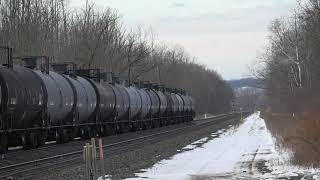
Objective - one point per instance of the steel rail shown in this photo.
(9, 170)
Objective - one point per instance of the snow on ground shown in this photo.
(195, 144)
(244, 152)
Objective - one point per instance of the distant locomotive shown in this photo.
(58, 104)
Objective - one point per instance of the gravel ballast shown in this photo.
(126, 162)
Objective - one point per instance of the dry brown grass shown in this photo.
(299, 133)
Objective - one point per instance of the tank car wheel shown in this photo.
(150, 125)
(65, 136)
(138, 126)
(113, 129)
(145, 125)
(183, 119)
(107, 130)
(74, 133)
(188, 119)
(58, 137)
(94, 131)
(174, 121)
(131, 127)
(3, 143)
(90, 132)
(42, 138)
(41, 141)
(118, 129)
(24, 141)
(33, 140)
(83, 133)
(142, 126)
(102, 131)
(168, 122)
(161, 122)
(125, 127)
(178, 120)
(155, 124)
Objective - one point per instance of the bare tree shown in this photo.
(97, 39)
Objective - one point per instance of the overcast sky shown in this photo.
(225, 35)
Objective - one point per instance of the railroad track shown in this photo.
(28, 169)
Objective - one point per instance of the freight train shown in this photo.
(59, 103)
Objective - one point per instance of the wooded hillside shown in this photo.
(92, 38)
(291, 60)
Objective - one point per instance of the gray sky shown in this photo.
(225, 35)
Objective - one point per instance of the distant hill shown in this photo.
(247, 82)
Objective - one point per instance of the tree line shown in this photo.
(291, 60)
(93, 38)
(292, 77)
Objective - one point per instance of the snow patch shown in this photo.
(248, 151)
(201, 141)
(107, 177)
(195, 144)
(218, 155)
(189, 147)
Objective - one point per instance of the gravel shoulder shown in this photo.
(126, 162)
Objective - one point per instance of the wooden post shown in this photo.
(89, 162)
(101, 155)
(94, 158)
(86, 160)
(90, 158)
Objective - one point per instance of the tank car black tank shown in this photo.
(23, 100)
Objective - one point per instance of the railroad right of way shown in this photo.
(123, 161)
(29, 164)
